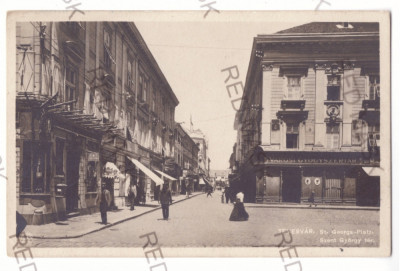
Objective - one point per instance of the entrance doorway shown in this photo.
(291, 185)
(71, 197)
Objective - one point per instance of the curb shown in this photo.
(322, 207)
(111, 224)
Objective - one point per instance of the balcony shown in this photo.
(293, 104)
(371, 104)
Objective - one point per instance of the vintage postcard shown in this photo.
(180, 134)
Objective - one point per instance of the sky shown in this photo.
(191, 56)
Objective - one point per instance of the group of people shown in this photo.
(104, 200)
(228, 194)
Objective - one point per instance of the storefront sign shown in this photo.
(298, 158)
(93, 156)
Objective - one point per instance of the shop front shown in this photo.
(57, 162)
(333, 178)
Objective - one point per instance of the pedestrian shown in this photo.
(238, 212)
(209, 191)
(311, 199)
(132, 196)
(227, 196)
(222, 195)
(104, 199)
(166, 200)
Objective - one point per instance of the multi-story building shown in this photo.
(189, 156)
(92, 106)
(204, 161)
(309, 120)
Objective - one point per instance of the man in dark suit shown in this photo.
(104, 199)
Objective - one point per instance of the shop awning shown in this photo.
(147, 171)
(165, 175)
(207, 181)
(111, 171)
(373, 171)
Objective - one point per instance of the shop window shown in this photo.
(91, 176)
(293, 87)
(292, 136)
(374, 135)
(35, 176)
(374, 87)
(332, 136)
(333, 88)
(59, 156)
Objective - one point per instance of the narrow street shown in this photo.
(204, 222)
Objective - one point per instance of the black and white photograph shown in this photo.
(248, 135)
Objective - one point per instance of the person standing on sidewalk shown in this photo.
(166, 200)
(311, 199)
(104, 198)
(132, 196)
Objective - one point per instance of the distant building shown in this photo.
(310, 117)
(201, 140)
(186, 154)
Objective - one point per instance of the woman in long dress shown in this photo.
(238, 212)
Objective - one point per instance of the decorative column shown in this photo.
(320, 97)
(266, 104)
(348, 100)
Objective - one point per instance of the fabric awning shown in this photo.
(165, 175)
(147, 171)
(373, 171)
(207, 181)
(111, 171)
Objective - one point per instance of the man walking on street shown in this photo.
(104, 198)
(166, 200)
(209, 191)
(132, 196)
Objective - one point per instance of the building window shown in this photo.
(70, 85)
(292, 136)
(332, 136)
(374, 135)
(374, 87)
(145, 88)
(107, 49)
(129, 75)
(333, 88)
(59, 156)
(153, 106)
(293, 87)
(141, 87)
(356, 132)
(35, 176)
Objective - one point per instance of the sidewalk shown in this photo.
(307, 206)
(81, 225)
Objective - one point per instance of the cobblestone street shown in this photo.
(204, 222)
